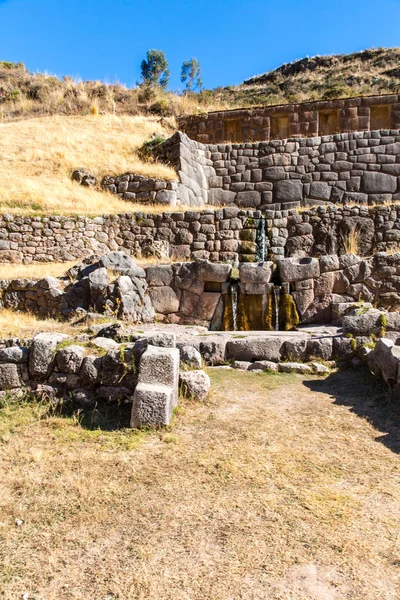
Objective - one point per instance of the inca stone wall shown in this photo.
(308, 119)
(361, 168)
(227, 235)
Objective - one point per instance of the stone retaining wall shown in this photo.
(226, 235)
(308, 119)
(201, 292)
(361, 168)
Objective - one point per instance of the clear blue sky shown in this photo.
(232, 39)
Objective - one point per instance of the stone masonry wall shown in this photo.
(362, 168)
(227, 235)
(301, 120)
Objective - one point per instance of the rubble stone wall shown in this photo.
(226, 235)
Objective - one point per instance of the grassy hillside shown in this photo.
(375, 71)
(37, 157)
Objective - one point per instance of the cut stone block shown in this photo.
(152, 405)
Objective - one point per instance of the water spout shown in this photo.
(277, 295)
(260, 241)
(234, 298)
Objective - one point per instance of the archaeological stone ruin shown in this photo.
(271, 255)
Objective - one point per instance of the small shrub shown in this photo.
(149, 148)
(162, 108)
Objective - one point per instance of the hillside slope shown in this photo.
(37, 157)
(373, 71)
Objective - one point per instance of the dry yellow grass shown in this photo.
(278, 488)
(35, 270)
(37, 157)
(26, 325)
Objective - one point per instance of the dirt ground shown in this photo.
(279, 487)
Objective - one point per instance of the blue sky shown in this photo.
(232, 39)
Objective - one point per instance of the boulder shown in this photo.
(84, 177)
(384, 361)
(118, 261)
(263, 365)
(191, 357)
(195, 384)
(42, 354)
(90, 370)
(213, 350)
(104, 343)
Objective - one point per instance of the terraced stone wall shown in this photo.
(308, 119)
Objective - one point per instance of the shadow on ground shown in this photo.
(366, 396)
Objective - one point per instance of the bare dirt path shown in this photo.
(280, 487)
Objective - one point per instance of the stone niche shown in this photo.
(328, 122)
(380, 117)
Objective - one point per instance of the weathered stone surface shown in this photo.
(377, 183)
(191, 357)
(298, 268)
(213, 350)
(14, 354)
(207, 271)
(253, 348)
(164, 299)
(255, 272)
(293, 367)
(156, 394)
(90, 370)
(195, 384)
(69, 359)
(384, 360)
(158, 275)
(9, 377)
(289, 191)
(42, 354)
(365, 324)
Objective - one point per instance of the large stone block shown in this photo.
(255, 272)
(384, 360)
(289, 191)
(9, 377)
(156, 394)
(195, 384)
(378, 183)
(42, 354)
(214, 272)
(249, 199)
(256, 348)
(158, 275)
(152, 405)
(165, 300)
(69, 359)
(297, 268)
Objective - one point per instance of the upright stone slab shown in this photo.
(156, 394)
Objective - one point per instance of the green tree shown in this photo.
(155, 68)
(191, 75)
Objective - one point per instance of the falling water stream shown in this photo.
(234, 297)
(277, 294)
(260, 240)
